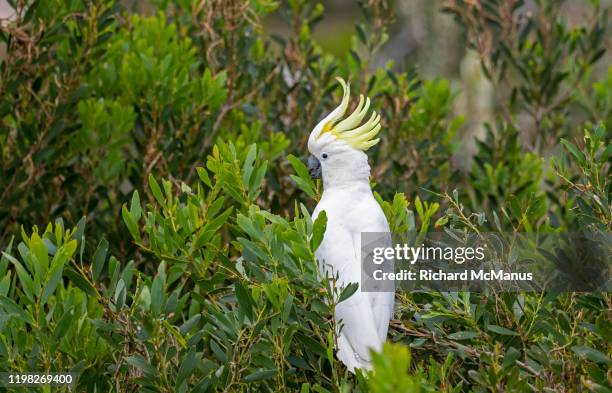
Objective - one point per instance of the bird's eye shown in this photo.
(324, 155)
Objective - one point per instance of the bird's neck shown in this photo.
(357, 177)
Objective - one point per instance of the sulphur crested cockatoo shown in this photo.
(337, 146)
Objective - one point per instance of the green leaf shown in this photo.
(591, 354)
(130, 223)
(11, 308)
(62, 255)
(260, 375)
(5, 284)
(573, 150)
(254, 249)
(391, 367)
(135, 209)
(247, 167)
(305, 185)
(39, 250)
(81, 282)
(318, 230)
(302, 179)
(440, 222)
(361, 33)
(79, 232)
(63, 324)
(348, 291)
(188, 364)
(189, 324)
(330, 347)
(175, 333)
(156, 190)
(256, 180)
(219, 353)
(31, 11)
(311, 344)
(54, 279)
(158, 289)
(120, 294)
(27, 285)
(244, 300)
(98, 259)
(512, 355)
(464, 335)
(501, 330)
(203, 175)
(140, 363)
(216, 223)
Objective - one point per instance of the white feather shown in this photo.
(351, 209)
(363, 319)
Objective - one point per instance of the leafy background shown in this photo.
(154, 208)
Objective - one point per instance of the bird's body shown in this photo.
(351, 209)
(364, 316)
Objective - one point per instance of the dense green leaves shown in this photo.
(302, 178)
(172, 134)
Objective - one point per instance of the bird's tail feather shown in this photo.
(349, 357)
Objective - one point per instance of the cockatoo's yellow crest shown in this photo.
(357, 136)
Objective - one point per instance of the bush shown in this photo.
(165, 152)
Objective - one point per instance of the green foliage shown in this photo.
(506, 176)
(425, 136)
(390, 374)
(592, 184)
(529, 339)
(540, 59)
(602, 100)
(43, 315)
(180, 138)
(105, 131)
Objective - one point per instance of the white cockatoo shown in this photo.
(337, 146)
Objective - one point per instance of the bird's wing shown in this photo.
(358, 325)
(382, 297)
(382, 308)
(337, 256)
(364, 316)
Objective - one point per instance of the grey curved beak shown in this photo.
(314, 167)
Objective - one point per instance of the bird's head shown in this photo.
(337, 144)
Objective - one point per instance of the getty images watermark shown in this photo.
(509, 262)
